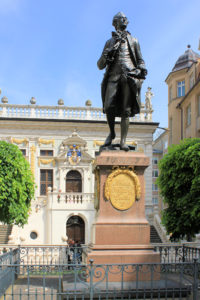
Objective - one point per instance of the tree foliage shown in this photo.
(16, 185)
(179, 183)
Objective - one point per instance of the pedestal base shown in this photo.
(121, 233)
(127, 256)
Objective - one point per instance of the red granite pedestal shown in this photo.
(121, 236)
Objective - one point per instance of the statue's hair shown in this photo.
(116, 17)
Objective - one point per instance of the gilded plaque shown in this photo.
(122, 188)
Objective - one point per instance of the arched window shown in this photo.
(75, 229)
(73, 182)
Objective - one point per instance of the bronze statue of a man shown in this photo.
(125, 72)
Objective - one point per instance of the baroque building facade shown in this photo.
(60, 144)
(184, 97)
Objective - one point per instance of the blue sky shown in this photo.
(49, 49)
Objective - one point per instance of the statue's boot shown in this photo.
(124, 131)
(109, 139)
(111, 124)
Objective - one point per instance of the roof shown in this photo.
(186, 60)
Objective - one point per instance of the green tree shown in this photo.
(16, 185)
(179, 183)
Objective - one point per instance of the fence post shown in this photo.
(195, 283)
(184, 250)
(91, 273)
(18, 261)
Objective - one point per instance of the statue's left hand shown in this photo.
(144, 71)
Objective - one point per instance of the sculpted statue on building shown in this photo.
(148, 96)
(125, 72)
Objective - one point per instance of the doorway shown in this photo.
(75, 229)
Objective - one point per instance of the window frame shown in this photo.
(155, 202)
(46, 150)
(188, 115)
(153, 173)
(180, 88)
(154, 187)
(22, 150)
(46, 182)
(155, 161)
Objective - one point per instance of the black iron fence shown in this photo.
(178, 252)
(47, 273)
(116, 281)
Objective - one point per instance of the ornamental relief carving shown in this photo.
(46, 161)
(19, 141)
(46, 142)
(33, 149)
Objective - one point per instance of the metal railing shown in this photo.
(57, 254)
(175, 253)
(43, 255)
(62, 272)
(110, 281)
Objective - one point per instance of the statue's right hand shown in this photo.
(108, 52)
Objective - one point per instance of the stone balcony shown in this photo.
(64, 201)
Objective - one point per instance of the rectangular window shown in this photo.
(155, 173)
(154, 161)
(188, 116)
(155, 200)
(96, 153)
(46, 152)
(46, 180)
(23, 151)
(154, 187)
(181, 88)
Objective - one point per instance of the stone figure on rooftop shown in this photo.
(148, 96)
(125, 72)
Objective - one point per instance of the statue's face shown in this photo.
(121, 23)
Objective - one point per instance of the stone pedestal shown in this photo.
(121, 233)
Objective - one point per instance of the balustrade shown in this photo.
(74, 198)
(62, 112)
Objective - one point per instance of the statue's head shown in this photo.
(120, 21)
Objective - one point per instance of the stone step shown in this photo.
(5, 231)
(154, 236)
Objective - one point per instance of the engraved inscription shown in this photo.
(122, 192)
(122, 188)
(131, 161)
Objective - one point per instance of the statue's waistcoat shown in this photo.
(123, 62)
